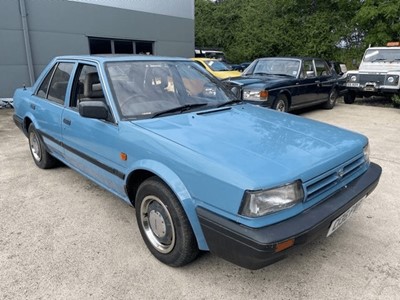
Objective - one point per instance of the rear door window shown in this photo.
(54, 85)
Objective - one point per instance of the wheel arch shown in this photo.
(147, 169)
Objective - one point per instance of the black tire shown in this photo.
(38, 150)
(163, 224)
(281, 103)
(349, 98)
(331, 99)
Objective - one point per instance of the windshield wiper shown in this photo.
(179, 109)
(261, 73)
(230, 102)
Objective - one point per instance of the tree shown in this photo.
(336, 29)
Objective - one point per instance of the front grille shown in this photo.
(329, 182)
(364, 78)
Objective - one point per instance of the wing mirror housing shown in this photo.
(93, 109)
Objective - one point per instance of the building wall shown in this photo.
(61, 27)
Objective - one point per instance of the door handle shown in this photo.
(318, 82)
(66, 121)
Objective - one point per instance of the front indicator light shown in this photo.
(263, 202)
(284, 245)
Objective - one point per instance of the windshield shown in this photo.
(146, 89)
(287, 67)
(373, 55)
(217, 65)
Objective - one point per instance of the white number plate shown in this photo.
(339, 221)
(353, 84)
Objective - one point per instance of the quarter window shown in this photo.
(42, 92)
(322, 68)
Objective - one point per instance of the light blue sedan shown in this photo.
(204, 171)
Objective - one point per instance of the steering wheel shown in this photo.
(130, 102)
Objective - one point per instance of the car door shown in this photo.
(91, 145)
(48, 105)
(307, 84)
(325, 78)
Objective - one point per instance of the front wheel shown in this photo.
(349, 98)
(281, 103)
(163, 224)
(39, 153)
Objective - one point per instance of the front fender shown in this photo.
(178, 187)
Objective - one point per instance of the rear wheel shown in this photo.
(331, 100)
(349, 98)
(281, 103)
(39, 153)
(163, 224)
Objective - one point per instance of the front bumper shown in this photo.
(367, 90)
(254, 248)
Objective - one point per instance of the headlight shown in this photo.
(392, 79)
(255, 95)
(353, 78)
(366, 153)
(260, 203)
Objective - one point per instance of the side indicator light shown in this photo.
(284, 245)
(123, 156)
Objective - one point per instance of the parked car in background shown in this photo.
(286, 83)
(209, 53)
(216, 67)
(203, 170)
(339, 67)
(378, 74)
(240, 67)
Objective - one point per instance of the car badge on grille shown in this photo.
(340, 174)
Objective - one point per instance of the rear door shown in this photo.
(48, 104)
(325, 78)
(307, 84)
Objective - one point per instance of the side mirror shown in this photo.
(310, 74)
(93, 109)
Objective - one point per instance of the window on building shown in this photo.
(123, 47)
(114, 46)
(144, 47)
(99, 46)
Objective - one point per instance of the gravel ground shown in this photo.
(63, 237)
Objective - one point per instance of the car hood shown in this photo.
(226, 74)
(265, 80)
(379, 67)
(257, 144)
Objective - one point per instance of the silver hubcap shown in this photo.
(157, 224)
(332, 97)
(35, 146)
(281, 105)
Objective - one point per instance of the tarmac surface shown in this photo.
(63, 237)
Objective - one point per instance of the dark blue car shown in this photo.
(286, 83)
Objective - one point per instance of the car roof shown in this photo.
(289, 58)
(203, 58)
(120, 57)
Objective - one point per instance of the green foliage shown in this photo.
(396, 101)
(335, 30)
